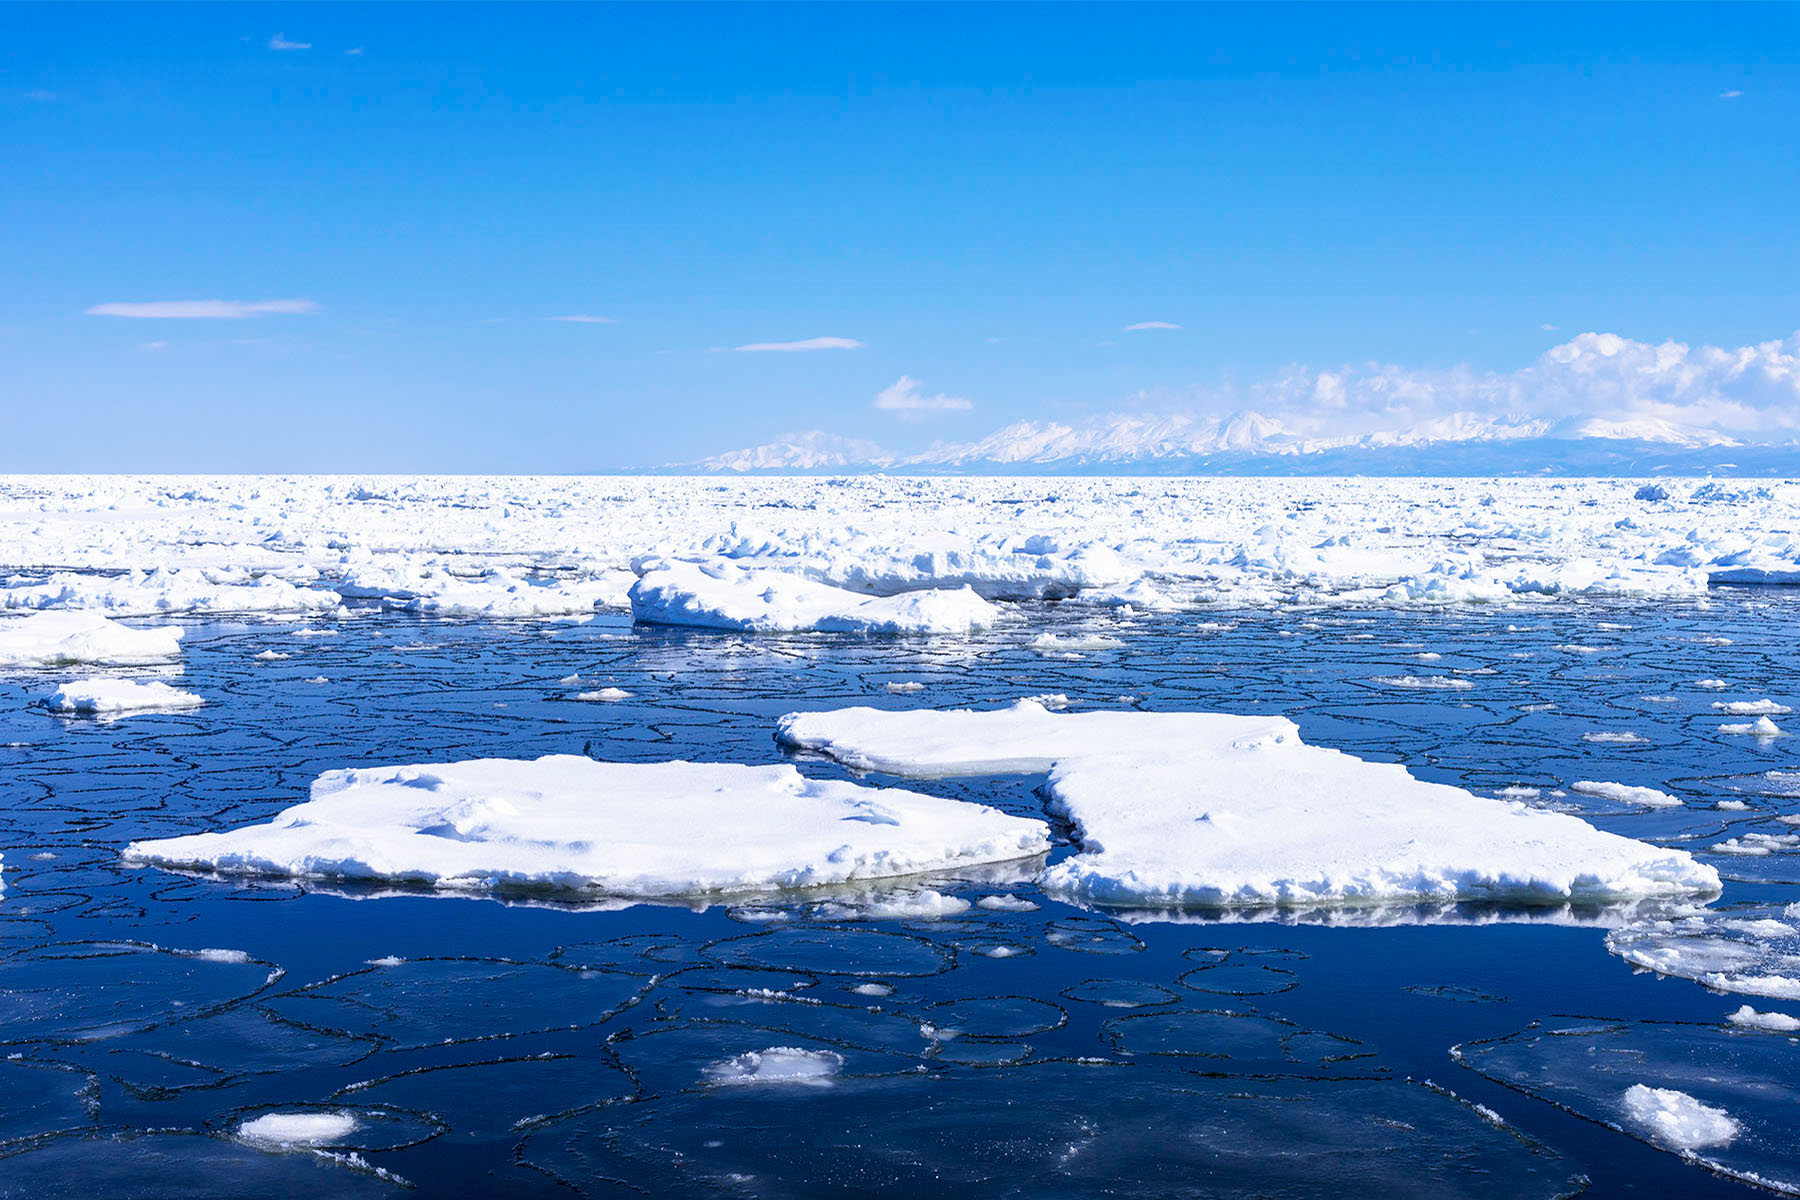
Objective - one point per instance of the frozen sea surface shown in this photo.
(966, 1033)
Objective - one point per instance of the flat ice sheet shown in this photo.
(722, 595)
(623, 829)
(1202, 809)
(48, 639)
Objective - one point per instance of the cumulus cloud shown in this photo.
(225, 310)
(1594, 384)
(818, 343)
(280, 42)
(1141, 326)
(904, 395)
(585, 319)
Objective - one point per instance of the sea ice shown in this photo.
(1625, 793)
(48, 639)
(1762, 727)
(1773, 1022)
(722, 595)
(113, 697)
(280, 1129)
(622, 829)
(1678, 1120)
(778, 1065)
(1204, 809)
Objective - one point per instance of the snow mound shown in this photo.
(1677, 1120)
(636, 830)
(1203, 809)
(722, 595)
(1773, 1022)
(47, 639)
(113, 697)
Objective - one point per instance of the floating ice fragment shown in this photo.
(1762, 727)
(604, 695)
(51, 639)
(115, 697)
(624, 829)
(1202, 809)
(1773, 1022)
(1751, 708)
(1678, 1120)
(1625, 793)
(785, 1065)
(723, 595)
(298, 1129)
(1425, 682)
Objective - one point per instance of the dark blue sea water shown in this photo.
(530, 1047)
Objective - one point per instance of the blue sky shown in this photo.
(983, 197)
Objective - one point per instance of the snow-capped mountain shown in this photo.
(1252, 442)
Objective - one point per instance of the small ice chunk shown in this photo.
(1424, 682)
(272, 656)
(604, 695)
(1051, 643)
(1677, 1120)
(902, 689)
(1625, 793)
(275, 1130)
(1751, 708)
(1621, 737)
(786, 1065)
(1762, 727)
(923, 904)
(1773, 1022)
(724, 595)
(1007, 903)
(1714, 685)
(873, 989)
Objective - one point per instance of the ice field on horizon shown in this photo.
(1384, 836)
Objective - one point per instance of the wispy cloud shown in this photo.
(40, 94)
(585, 319)
(354, 50)
(1547, 327)
(280, 42)
(219, 310)
(904, 396)
(1733, 94)
(1141, 326)
(818, 343)
(157, 345)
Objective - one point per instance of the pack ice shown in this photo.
(1204, 809)
(637, 830)
(116, 697)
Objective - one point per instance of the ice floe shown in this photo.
(620, 829)
(1677, 1120)
(283, 1129)
(778, 1065)
(1751, 952)
(1771, 1022)
(1204, 809)
(48, 639)
(1625, 793)
(726, 596)
(115, 697)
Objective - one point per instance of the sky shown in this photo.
(576, 238)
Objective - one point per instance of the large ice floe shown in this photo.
(48, 639)
(725, 596)
(641, 830)
(524, 547)
(1176, 810)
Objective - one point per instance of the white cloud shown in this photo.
(157, 345)
(1733, 94)
(904, 396)
(1547, 327)
(1141, 326)
(1592, 380)
(818, 343)
(354, 50)
(280, 42)
(585, 319)
(226, 310)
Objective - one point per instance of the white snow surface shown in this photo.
(112, 697)
(637, 830)
(1176, 810)
(1771, 1022)
(48, 639)
(1677, 1120)
(539, 546)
